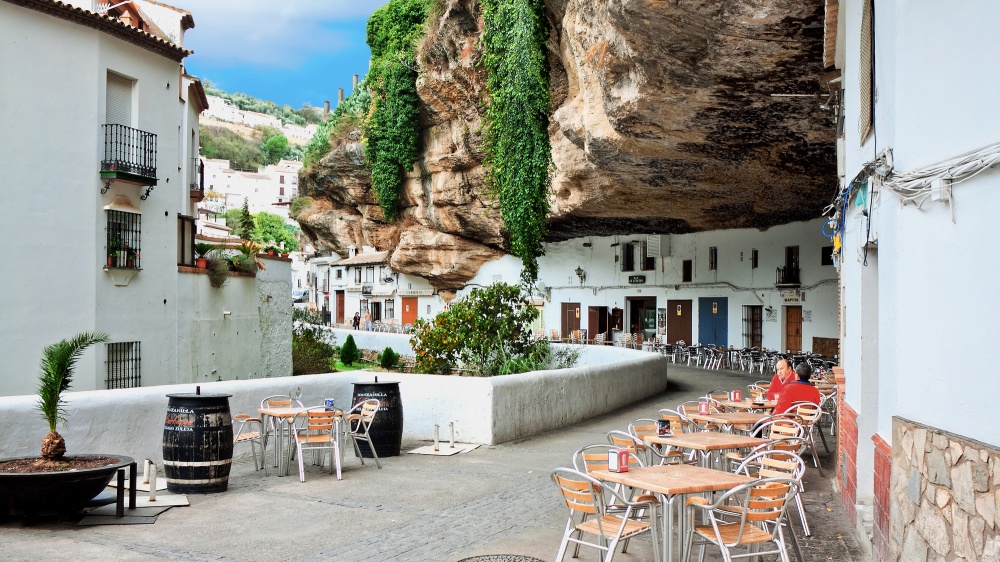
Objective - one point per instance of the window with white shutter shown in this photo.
(866, 74)
(119, 100)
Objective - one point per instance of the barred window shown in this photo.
(123, 241)
(390, 308)
(123, 365)
(713, 258)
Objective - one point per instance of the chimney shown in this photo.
(354, 83)
(340, 96)
(326, 108)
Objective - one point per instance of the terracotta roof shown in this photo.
(108, 25)
(365, 259)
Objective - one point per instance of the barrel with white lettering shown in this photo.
(197, 443)
(387, 427)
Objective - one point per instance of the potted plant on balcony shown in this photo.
(114, 247)
(272, 251)
(202, 250)
(55, 483)
(218, 268)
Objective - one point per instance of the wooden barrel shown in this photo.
(387, 428)
(197, 443)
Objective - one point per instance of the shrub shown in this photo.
(388, 358)
(218, 271)
(349, 354)
(306, 315)
(312, 349)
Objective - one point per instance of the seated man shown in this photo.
(783, 374)
(800, 390)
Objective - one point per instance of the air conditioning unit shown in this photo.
(658, 245)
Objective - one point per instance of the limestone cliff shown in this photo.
(668, 116)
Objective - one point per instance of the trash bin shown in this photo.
(197, 443)
(387, 428)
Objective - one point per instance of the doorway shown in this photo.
(340, 307)
(570, 318)
(793, 328)
(409, 310)
(641, 315)
(713, 325)
(753, 325)
(597, 322)
(679, 321)
(376, 309)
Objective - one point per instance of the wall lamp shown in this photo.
(581, 274)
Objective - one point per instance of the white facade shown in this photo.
(268, 189)
(225, 110)
(921, 294)
(733, 285)
(56, 219)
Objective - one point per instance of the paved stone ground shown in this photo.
(491, 501)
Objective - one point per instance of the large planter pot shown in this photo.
(54, 493)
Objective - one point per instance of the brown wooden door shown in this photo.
(597, 322)
(340, 307)
(793, 328)
(679, 321)
(409, 312)
(570, 318)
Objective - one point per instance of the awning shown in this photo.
(388, 292)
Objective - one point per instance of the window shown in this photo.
(123, 231)
(185, 240)
(118, 100)
(300, 283)
(390, 308)
(713, 258)
(687, 271)
(428, 309)
(826, 255)
(281, 179)
(363, 308)
(281, 190)
(123, 365)
(370, 274)
(340, 274)
(753, 325)
(628, 257)
(866, 74)
(648, 261)
(357, 275)
(754, 257)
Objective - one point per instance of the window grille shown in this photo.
(357, 275)
(123, 241)
(753, 325)
(340, 274)
(390, 308)
(123, 365)
(370, 274)
(648, 261)
(713, 258)
(628, 257)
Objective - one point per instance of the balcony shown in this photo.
(129, 156)
(367, 288)
(197, 183)
(787, 277)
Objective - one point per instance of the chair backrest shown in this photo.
(691, 407)
(642, 427)
(678, 422)
(809, 412)
(319, 420)
(581, 493)
(280, 401)
(599, 339)
(626, 441)
(718, 395)
(772, 464)
(778, 427)
(595, 457)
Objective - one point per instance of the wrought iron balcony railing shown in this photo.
(787, 276)
(197, 183)
(129, 154)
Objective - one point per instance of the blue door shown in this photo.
(713, 327)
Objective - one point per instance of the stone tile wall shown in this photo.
(944, 496)
(880, 523)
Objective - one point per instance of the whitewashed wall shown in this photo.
(924, 298)
(485, 410)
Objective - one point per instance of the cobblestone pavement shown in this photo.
(493, 500)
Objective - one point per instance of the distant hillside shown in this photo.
(303, 116)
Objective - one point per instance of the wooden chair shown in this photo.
(587, 499)
(762, 506)
(809, 413)
(777, 464)
(655, 454)
(273, 426)
(318, 434)
(359, 420)
(250, 430)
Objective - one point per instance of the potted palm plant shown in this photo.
(202, 249)
(55, 483)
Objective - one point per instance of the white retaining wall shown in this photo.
(485, 410)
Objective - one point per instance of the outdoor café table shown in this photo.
(281, 450)
(750, 405)
(669, 482)
(729, 419)
(706, 442)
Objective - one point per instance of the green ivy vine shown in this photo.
(518, 154)
(392, 130)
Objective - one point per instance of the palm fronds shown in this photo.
(58, 362)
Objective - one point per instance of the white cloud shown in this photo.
(267, 33)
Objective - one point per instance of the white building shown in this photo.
(775, 289)
(225, 110)
(268, 189)
(106, 145)
(920, 139)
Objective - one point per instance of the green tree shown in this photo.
(247, 225)
(483, 332)
(58, 361)
(272, 230)
(349, 354)
(275, 149)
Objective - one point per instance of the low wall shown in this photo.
(485, 410)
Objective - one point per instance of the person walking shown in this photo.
(356, 321)
(368, 321)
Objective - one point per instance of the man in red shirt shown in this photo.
(800, 390)
(783, 374)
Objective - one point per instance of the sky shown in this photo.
(293, 52)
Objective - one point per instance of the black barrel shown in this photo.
(197, 443)
(387, 428)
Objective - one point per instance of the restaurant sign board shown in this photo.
(635, 279)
